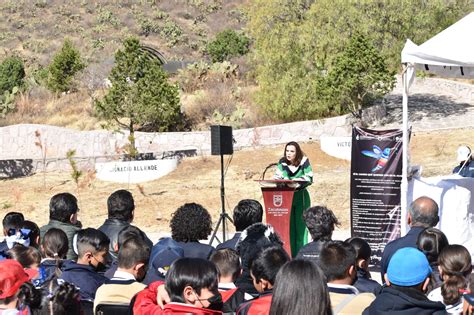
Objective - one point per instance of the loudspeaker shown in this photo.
(221, 140)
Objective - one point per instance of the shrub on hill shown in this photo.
(227, 44)
(12, 73)
(359, 75)
(65, 65)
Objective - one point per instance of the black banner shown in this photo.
(376, 176)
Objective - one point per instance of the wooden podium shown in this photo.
(278, 199)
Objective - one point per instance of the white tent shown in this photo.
(448, 54)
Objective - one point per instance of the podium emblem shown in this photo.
(277, 200)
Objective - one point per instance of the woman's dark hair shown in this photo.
(26, 256)
(34, 232)
(194, 272)
(299, 153)
(190, 222)
(431, 242)
(455, 264)
(120, 205)
(29, 296)
(60, 299)
(320, 222)
(289, 295)
(55, 245)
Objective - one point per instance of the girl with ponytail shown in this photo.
(54, 247)
(454, 268)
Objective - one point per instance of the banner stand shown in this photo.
(376, 176)
(278, 199)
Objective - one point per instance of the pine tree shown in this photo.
(66, 63)
(140, 94)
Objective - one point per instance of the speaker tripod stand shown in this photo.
(223, 216)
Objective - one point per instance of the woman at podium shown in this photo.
(294, 165)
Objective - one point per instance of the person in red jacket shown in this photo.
(263, 271)
(192, 287)
(228, 264)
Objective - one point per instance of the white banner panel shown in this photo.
(339, 147)
(134, 171)
(454, 196)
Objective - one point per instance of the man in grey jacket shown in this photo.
(63, 211)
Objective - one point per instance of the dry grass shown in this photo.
(41, 107)
(216, 95)
(198, 179)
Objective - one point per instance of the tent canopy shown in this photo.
(448, 54)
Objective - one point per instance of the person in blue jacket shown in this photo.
(93, 250)
(466, 165)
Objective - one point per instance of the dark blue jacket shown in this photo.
(403, 300)
(365, 284)
(311, 251)
(49, 266)
(47, 271)
(467, 170)
(408, 240)
(84, 277)
(3, 247)
(109, 273)
(232, 243)
(196, 250)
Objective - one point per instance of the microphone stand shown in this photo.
(266, 169)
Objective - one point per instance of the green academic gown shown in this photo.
(301, 200)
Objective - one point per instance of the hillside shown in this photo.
(180, 29)
(35, 29)
(283, 45)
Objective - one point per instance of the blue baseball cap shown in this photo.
(163, 254)
(408, 267)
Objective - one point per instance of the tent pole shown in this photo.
(404, 185)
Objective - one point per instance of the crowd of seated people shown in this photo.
(65, 268)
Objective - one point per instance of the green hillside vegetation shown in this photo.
(256, 62)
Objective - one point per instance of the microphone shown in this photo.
(266, 168)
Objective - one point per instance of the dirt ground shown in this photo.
(198, 180)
